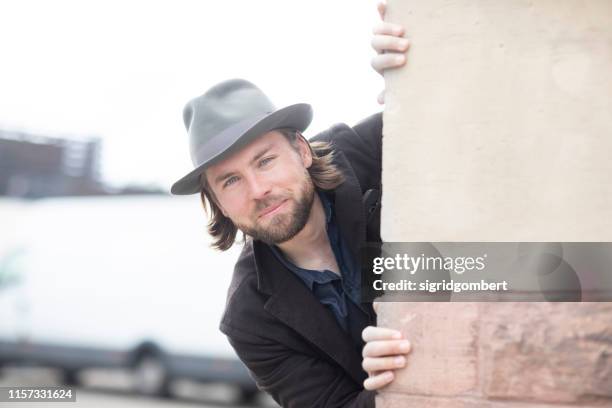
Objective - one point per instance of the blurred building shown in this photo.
(34, 166)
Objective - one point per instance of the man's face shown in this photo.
(265, 188)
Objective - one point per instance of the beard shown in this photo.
(282, 227)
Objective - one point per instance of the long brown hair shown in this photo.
(324, 174)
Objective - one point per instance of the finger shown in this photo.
(382, 7)
(388, 29)
(373, 333)
(378, 381)
(380, 348)
(382, 43)
(383, 363)
(387, 61)
(375, 306)
(381, 97)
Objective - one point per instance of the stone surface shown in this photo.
(395, 400)
(443, 360)
(498, 128)
(556, 352)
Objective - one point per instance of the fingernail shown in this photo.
(388, 375)
(397, 335)
(404, 44)
(399, 361)
(399, 59)
(405, 346)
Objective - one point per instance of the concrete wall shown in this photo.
(500, 129)
(500, 126)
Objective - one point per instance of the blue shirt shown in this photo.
(340, 294)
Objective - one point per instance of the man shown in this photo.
(293, 311)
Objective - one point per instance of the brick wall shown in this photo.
(498, 355)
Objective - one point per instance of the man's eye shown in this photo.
(265, 161)
(230, 181)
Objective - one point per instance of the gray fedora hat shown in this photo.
(227, 117)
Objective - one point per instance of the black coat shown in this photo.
(292, 344)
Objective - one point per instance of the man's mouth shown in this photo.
(272, 209)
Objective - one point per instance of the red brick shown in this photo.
(443, 336)
(549, 352)
(394, 400)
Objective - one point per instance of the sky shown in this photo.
(123, 70)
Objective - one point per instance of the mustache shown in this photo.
(268, 202)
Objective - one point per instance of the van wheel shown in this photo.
(151, 376)
(248, 396)
(69, 377)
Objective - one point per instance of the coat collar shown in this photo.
(290, 298)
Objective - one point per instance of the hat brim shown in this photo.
(296, 116)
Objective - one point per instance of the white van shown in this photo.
(116, 281)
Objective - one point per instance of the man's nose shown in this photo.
(258, 186)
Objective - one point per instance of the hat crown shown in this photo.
(221, 107)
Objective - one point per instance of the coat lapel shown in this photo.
(349, 207)
(350, 214)
(292, 303)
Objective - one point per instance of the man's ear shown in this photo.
(305, 151)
